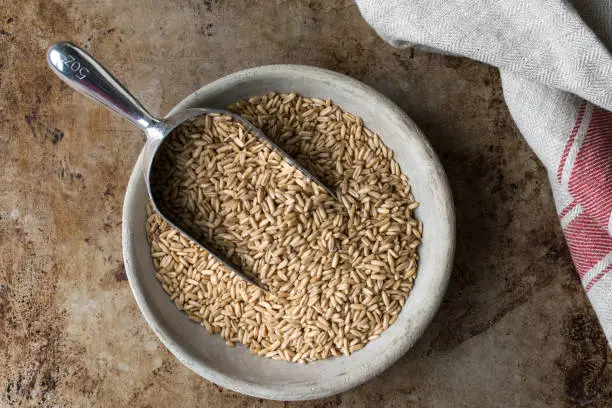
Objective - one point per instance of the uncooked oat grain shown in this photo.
(339, 271)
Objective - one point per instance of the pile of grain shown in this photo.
(338, 271)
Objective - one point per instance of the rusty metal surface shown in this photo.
(515, 328)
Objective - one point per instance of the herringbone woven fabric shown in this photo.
(556, 69)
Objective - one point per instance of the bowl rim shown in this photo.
(334, 386)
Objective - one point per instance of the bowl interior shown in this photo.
(236, 368)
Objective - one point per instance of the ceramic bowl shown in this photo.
(236, 368)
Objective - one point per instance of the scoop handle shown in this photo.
(83, 73)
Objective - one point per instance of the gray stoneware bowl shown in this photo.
(236, 368)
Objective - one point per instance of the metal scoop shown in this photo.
(83, 73)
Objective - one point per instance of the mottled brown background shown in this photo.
(515, 329)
